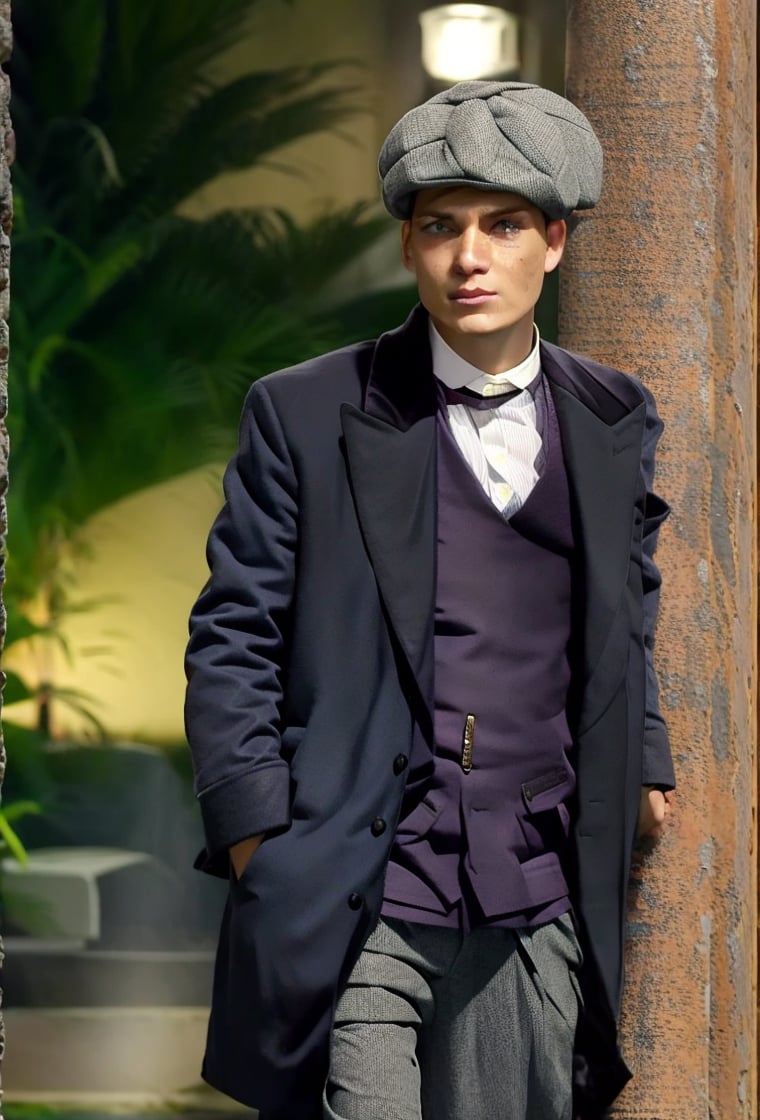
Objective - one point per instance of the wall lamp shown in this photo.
(462, 41)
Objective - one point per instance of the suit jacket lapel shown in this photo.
(390, 448)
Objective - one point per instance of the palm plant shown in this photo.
(135, 328)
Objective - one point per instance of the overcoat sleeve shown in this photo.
(657, 762)
(238, 640)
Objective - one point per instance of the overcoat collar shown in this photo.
(391, 452)
(401, 389)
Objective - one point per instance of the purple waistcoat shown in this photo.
(483, 840)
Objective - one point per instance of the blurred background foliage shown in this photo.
(136, 328)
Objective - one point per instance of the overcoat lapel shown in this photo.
(391, 454)
(601, 438)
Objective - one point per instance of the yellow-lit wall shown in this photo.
(144, 566)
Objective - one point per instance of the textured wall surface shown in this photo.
(6, 157)
(660, 281)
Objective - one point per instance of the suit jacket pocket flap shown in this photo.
(548, 790)
(419, 821)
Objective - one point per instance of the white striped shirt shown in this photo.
(500, 445)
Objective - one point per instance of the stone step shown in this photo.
(46, 973)
(127, 1057)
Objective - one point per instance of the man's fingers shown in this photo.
(658, 805)
(655, 807)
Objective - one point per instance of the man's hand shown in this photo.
(654, 807)
(240, 853)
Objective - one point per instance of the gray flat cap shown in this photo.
(506, 136)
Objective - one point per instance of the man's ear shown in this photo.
(406, 249)
(556, 238)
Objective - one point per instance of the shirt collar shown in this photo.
(457, 373)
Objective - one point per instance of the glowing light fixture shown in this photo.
(461, 41)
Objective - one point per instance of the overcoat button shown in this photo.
(355, 901)
(400, 764)
(378, 826)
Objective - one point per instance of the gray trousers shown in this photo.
(436, 1024)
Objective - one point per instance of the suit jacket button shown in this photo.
(400, 764)
(355, 901)
(378, 826)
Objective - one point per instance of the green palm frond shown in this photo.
(148, 120)
(236, 126)
(47, 36)
(10, 841)
(135, 331)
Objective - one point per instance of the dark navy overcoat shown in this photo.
(311, 671)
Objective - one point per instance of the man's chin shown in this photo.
(477, 321)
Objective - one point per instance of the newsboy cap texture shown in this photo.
(502, 136)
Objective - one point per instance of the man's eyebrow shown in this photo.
(433, 212)
(447, 215)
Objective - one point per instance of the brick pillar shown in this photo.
(660, 281)
(6, 157)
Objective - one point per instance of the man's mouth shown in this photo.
(472, 296)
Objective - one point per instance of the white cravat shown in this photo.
(500, 445)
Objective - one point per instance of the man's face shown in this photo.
(479, 258)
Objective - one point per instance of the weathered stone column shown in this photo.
(6, 157)
(660, 281)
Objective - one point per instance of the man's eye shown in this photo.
(506, 226)
(436, 227)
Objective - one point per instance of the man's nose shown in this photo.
(473, 251)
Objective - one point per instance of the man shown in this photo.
(421, 699)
